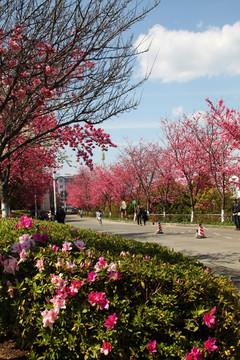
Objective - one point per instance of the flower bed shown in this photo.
(68, 293)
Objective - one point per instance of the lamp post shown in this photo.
(102, 155)
(54, 194)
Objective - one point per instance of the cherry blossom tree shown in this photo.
(222, 162)
(80, 189)
(75, 67)
(187, 157)
(165, 189)
(141, 162)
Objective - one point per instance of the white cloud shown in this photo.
(178, 111)
(182, 55)
(200, 24)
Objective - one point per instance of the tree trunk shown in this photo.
(4, 200)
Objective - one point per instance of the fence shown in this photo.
(186, 218)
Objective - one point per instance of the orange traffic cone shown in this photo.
(159, 231)
(200, 232)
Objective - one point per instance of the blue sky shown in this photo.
(196, 44)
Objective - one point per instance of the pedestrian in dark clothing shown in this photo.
(236, 210)
(139, 215)
(144, 216)
(60, 215)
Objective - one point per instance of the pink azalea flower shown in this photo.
(195, 354)
(67, 246)
(23, 256)
(53, 247)
(59, 301)
(49, 317)
(40, 265)
(209, 318)
(71, 266)
(91, 276)
(10, 289)
(58, 281)
(80, 244)
(10, 265)
(98, 298)
(112, 267)
(106, 348)
(152, 346)
(114, 276)
(210, 345)
(111, 321)
(26, 221)
(102, 262)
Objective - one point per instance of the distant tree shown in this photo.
(62, 63)
(79, 189)
(222, 163)
(141, 162)
(186, 156)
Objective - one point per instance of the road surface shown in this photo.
(219, 250)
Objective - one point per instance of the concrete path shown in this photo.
(220, 250)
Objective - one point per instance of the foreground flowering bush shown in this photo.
(69, 293)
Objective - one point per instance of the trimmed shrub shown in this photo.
(69, 293)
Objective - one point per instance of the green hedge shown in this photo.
(117, 298)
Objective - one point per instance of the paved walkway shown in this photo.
(220, 250)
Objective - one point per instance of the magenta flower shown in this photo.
(114, 276)
(106, 348)
(26, 221)
(209, 318)
(98, 298)
(210, 345)
(152, 346)
(91, 276)
(111, 321)
(195, 354)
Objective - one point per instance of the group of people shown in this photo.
(236, 214)
(59, 217)
(142, 215)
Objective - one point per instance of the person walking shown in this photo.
(99, 216)
(235, 210)
(139, 215)
(60, 215)
(144, 216)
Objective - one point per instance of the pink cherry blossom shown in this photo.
(152, 346)
(91, 276)
(106, 348)
(49, 317)
(210, 345)
(111, 321)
